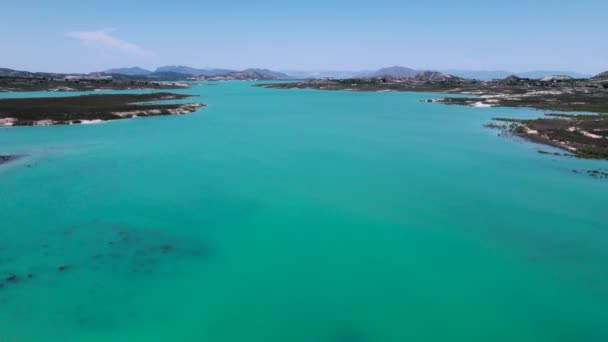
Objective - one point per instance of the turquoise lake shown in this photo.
(299, 215)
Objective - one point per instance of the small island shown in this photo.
(89, 108)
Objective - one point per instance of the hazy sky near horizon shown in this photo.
(516, 35)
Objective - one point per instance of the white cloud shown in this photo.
(102, 40)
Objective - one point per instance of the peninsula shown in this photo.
(78, 83)
(583, 135)
(88, 108)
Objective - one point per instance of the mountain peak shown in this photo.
(186, 70)
(512, 78)
(133, 71)
(395, 72)
(434, 76)
(258, 74)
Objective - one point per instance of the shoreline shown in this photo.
(583, 136)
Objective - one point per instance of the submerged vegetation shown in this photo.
(118, 249)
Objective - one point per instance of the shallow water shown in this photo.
(299, 215)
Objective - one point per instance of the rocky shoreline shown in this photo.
(89, 108)
(584, 136)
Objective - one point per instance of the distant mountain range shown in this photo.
(176, 73)
(194, 71)
(435, 76)
(167, 73)
(135, 71)
(393, 72)
(401, 72)
(261, 74)
(180, 72)
(257, 74)
(4, 72)
(340, 74)
(499, 74)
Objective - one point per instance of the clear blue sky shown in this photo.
(78, 36)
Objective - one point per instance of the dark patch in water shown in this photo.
(60, 257)
(102, 248)
(598, 173)
(4, 159)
